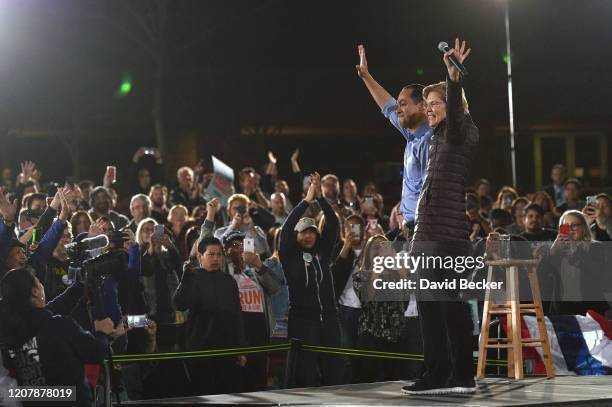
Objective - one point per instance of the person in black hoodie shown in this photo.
(45, 349)
(214, 320)
(306, 253)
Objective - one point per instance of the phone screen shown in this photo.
(564, 229)
(158, 231)
(249, 245)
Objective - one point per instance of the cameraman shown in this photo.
(46, 350)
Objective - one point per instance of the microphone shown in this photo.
(91, 243)
(443, 47)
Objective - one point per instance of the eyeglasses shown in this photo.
(434, 104)
(236, 244)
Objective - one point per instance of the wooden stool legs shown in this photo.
(513, 309)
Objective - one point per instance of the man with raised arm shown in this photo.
(407, 114)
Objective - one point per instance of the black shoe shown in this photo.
(422, 386)
(462, 386)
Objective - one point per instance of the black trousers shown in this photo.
(370, 370)
(411, 343)
(446, 322)
(255, 372)
(313, 368)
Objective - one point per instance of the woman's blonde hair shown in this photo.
(139, 229)
(177, 208)
(587, 236)
(367, 249)
(440, 89)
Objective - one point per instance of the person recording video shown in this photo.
(45, 349)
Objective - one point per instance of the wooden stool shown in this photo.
(513, 309)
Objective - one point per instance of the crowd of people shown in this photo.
(282, 257)
(247, 298)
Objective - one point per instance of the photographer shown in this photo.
(46, 350)
(101, 203)
(160, 264)
(599, 217)
(574, 275)
(245, 217)
(306, 253)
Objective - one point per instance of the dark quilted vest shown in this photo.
(441, 208)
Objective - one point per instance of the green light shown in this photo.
(419, 71)
(506, 59)
(125, 86)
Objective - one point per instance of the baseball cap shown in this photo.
(227, 239)
(307, 223)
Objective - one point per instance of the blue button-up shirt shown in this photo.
(415, 160)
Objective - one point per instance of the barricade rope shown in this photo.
(277, 348)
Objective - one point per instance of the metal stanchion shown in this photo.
(292, 354)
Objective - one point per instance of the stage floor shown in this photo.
(566, 390)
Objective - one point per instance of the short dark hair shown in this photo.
(417, 92)
(500, 214)
(572, 181)
(208, 241)
(34, 196)
(355, 216)
(534, 207)
(517, 201)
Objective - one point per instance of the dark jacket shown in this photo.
(49, 270)
(55, 352)
(215, 315)
(311, 288)
(160, 281)
(441, 207)
(590, 262)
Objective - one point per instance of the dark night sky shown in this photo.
(289, 63)
(232, 64)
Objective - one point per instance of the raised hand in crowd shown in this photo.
(96, 228)
(314, 190)
(591, 213)
(7, 210)
(110, 176)
(271, 168)
(295, 165)
(349, 241)
(27, 172)
(252, 259)
(212, 207)
(460, 53)
(65, 207)
(131, 238)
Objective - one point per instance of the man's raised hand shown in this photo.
(362, 68)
